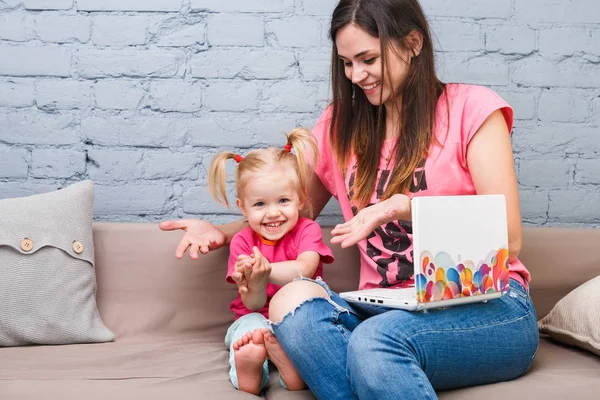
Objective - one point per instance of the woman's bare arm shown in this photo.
(491, 165)
(318, 195)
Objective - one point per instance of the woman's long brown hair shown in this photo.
(358, 127)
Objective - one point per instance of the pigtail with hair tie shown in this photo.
(288, 148)
(238, 158)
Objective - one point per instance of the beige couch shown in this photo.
(170, 316)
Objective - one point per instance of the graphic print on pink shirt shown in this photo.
(395, 267)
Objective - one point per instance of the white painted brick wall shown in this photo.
(129, 5)
(137, 131)
(16, 27)
(245, 63)
(64, 94)
(130, 62)
(175, 95)
(57, 163)
(36, 60)
(294, 32)
(175, 32)
(237, 95)
(236, 30)
(34, 128)
(17, 93)
(242, 6)
(13, 163)
(119, 30)
(456, 36)
(46, 4)
(510, 39)
(138, 95)
(119, 94)
(55, 28)
(556, 11)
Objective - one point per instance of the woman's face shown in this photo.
(361, 55)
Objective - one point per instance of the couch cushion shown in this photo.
(144, 290)
(154, 367)
(191, 368)
(559, 259)
(558, 372)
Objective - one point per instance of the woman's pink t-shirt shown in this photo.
(386, 255)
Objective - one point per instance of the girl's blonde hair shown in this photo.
(270, 159)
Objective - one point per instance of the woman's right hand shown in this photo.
(366, 220)
(200, 236)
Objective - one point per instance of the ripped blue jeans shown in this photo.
(355, 351)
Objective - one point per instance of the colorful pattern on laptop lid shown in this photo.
(442, 278)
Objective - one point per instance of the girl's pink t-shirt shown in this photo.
(305, 236)
(386, 255)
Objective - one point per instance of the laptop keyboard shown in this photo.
(409, 293)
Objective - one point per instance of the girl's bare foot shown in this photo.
(249, 356)
(277, 356)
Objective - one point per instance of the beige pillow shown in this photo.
(47, 277)
(575, 319)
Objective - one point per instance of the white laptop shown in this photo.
(460, 253)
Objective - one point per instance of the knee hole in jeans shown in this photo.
(291, 296)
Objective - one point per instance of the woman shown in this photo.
(394, 131)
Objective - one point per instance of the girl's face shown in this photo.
(270, 202)
(361, 55)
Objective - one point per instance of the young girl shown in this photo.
(277, 247)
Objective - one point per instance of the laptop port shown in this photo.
(372, 300)
(380, 301)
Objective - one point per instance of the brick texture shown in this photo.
(139, 95)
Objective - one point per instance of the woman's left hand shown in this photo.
(369, 218)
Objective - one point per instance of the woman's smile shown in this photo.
(371, 88)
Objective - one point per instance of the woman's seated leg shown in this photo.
(413, 353)
(313, 326)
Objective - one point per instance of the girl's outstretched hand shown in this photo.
(200, 236)
(366, 220)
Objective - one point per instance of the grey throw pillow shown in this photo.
(575, 319)
(47, 276)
